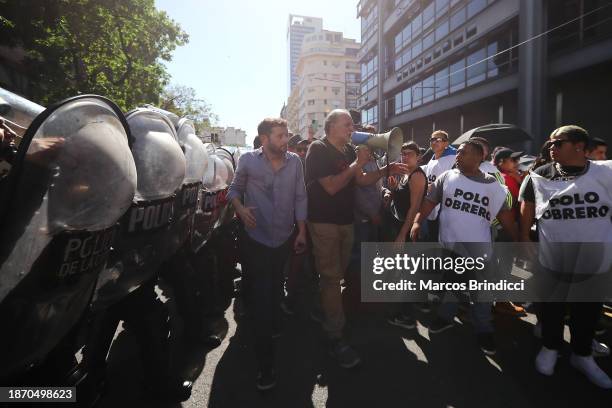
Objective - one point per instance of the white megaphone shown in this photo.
(391, 142)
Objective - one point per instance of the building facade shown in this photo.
(459, 64)
(328, 78)
(297, 28)
(228, 136)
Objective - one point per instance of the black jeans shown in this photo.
(263, 270)
(583, 319)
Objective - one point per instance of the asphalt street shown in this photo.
(401, 368)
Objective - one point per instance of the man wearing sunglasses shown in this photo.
(570, 199)
(442, 160)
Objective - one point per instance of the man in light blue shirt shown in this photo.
(269, 196)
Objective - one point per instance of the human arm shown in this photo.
(365, 179)
(506, 219)
(427, 207)
(417, 183)
(301, 209)
(236, 192)
(527, 209)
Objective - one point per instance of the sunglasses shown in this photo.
(436, 139)
(557, 143)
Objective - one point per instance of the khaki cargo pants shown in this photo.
(332, 246)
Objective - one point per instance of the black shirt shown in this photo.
(400, 203)
(323, 160)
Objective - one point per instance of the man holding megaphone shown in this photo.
(333, 168)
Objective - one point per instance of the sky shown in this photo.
(236, 58)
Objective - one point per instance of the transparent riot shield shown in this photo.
(212, 203)
(147, 235)
(71, 180)
(197, 159)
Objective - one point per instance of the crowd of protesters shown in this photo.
(309, 204)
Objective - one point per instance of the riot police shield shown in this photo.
(72, 178)
(147, 234)
(212, 203)
(196, 158)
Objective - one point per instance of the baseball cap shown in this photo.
(506, 153)
(294, 140)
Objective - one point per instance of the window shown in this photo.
(335, 90)
(428, 40)
(457, 76)
(398, 42)
(442, 30)
(311, 102)
(442, 81)
(406, 99)
(437, 52)
(457, 19)
(498, 64)
(428, 89)
(428, 15)
(398, 63)
(417, 94)
(475, 6)
(369, 116)
(477, 72)
(398, 103)
(417, 26)
(471, 31)
(324, 101)
(427, 59)
(441, 8)
(446, 46)
(407, 34)
(416, 49)
(458, 40)
(324, 62)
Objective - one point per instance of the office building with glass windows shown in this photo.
(459, 64)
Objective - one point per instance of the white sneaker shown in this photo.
(545, 361)
(589, 367)
(600, 349)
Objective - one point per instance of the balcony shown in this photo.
(368, 47)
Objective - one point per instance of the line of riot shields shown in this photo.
(98, 208)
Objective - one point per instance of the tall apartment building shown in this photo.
(327, 78)
(458, 64)
(297, 28)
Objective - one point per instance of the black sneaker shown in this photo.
(439, 325)
(345, 355)
(266, 380)
(487, 343)
(402, 320)
(288, 307)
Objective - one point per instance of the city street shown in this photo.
(401, 368)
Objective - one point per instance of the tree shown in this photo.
(114, 48)
(182, 101)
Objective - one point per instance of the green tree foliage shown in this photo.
(114, 48)
(182, 101)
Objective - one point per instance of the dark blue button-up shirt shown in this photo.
(279, 198)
